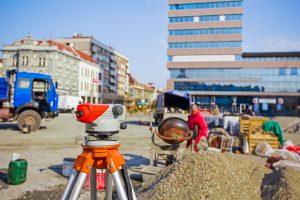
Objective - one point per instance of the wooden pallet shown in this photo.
(251, 125)
(244, 126)
(270, 138)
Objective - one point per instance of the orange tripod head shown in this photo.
(102, 119)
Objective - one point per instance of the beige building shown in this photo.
(149, 93)
(122, 75)
(206, 59)
(141, 92)
(1, 67)
(136, 89)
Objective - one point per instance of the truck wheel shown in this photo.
(29, 118)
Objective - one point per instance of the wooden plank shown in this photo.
(264, 136)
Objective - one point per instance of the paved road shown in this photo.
(57, 139)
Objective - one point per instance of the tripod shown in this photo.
(103, 123)
(100, 157)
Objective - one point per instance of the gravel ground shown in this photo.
(207, 175)
(281, 185)
(46, 148)
(214, 176)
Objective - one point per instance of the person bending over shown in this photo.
(197, 119)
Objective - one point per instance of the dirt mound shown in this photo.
(207, 175)
(281, 185)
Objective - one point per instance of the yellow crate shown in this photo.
(270, 138)
(253, 128)
(251, 125)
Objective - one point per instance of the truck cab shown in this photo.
(27, 98)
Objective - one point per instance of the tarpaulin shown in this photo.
(275, 128)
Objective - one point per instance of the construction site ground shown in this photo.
(62, 137)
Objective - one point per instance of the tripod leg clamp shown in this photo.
(115, 161)
(84, 162)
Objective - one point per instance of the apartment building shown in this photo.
(206, 58)
(122, 75)
(107, 60)
(89, 85)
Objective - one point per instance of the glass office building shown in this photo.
(206, 59)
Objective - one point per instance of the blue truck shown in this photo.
(27, 98)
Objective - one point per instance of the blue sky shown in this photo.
(137, 28)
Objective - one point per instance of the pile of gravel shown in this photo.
(281, 185)
(207, 175)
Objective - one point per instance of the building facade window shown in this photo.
(267, 79)
(206, 18)
(190, 6)
(238, 57)
(209, 31)
(210, 18)
(236, 17)
(170, 58)
(181, 19)
(15, 61)
(193, 45)
(42, 62)
(282, 71)
(294, 71)
(278, 58)
(24, 61)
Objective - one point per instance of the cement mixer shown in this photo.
(172, 131)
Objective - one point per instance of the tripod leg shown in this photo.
(78, 185)
(93, 184)
(119, 186)
(129, 187)
(108, 186)
(71, 182)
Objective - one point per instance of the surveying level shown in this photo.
(100, 151)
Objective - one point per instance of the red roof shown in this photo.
(132, 80)
(76, 52)
(61, 46)
(84, 56)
